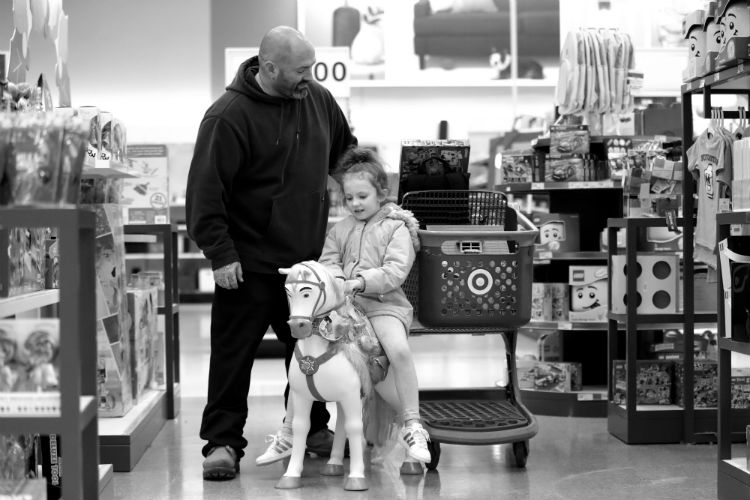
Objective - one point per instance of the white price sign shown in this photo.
(331, 69)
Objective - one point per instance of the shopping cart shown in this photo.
(473, 276)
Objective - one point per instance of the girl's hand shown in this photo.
(353, 286)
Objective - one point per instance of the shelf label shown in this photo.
(703, 82)
(565, 325)
(717, 75)
(537, 185)
(544, 255)
(741, 68)
(590, 396)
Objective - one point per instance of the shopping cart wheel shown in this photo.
(521, 452)
(434, 447)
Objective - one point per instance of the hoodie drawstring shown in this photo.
(281, 123)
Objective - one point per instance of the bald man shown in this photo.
(257, 201)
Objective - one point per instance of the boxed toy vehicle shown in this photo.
(654, 382)
(588, 293)
(517, 166)
(554, 377)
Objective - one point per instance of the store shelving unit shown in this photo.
(644, 424)
(77, 419)
(734, 80)
(166, 235)
(733, 479)
(565, 197)
(123, 440)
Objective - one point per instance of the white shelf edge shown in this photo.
(424, 83)
(121, 426)
(140, 238)
(28, 301)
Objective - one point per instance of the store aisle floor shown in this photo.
(571, 458)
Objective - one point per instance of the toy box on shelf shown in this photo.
(588, 293)
(113, 325)
(705, 383)
(735, 43)
(547, 376)
(28, 356)
(22, 264)
(657, 283)
(142, 310)
(145, 199)
(549, 346)
(550, 301)
(518, 167)
(734, 253)
(653, 380)
(433, 164)
(558, 233)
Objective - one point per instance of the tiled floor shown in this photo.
(571, 458)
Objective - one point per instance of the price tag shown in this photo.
(703, 82)
(741, 68)
(537, 185)
(716, 76)
(331, 69)
(565, 325)
(544, 255)
(590, 396)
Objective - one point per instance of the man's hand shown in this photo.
(228, 276)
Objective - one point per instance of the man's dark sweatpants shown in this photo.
(239, 320)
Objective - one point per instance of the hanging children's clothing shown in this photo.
(710, 161)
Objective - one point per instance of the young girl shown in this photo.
(374, 249)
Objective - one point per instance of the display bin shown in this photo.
(474, 266)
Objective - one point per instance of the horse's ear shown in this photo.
(285, 270)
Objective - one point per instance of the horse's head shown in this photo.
(312, 292)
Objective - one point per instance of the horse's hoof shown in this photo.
(411, 468)
(332, 470)
(289, 483)
(355, 484)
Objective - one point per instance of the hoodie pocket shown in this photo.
(297, 225)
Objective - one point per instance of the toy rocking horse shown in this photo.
(334, 357)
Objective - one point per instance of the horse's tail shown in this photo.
(359, 361)
(380, 420)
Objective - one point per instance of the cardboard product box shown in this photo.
(22, 265)
(114, 381)
(540, 303)
(558, 233)
(657, 280)
(142, 333)
(145, 199)
(654, 382)
(559, 294)
(661, 239)
(51, 463)
(588, 293)
(29, 351)
(553, 377)
(158, 355)
(569, 139)
(705, 383)
(549, 346)
(559, 169)
(517, 167)
(433, 164)
(740, 388)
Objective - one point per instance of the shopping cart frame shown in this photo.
(447, 413)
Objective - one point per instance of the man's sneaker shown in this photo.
(220, 463)
(414, 438)
(280, 447)
(320, 442)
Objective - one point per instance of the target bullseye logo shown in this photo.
(480, 281)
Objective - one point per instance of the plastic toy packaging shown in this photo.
(17, 457)
(35, 153)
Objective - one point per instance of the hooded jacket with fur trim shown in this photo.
(381, 251)
(256, 190)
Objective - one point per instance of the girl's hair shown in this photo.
(358, 160)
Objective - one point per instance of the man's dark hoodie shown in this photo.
(256, 190)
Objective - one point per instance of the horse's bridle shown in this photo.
(320, 284)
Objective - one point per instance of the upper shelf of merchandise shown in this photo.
(105, 168)
(544, 142)
(524, 187)
(732, 78)
(443, 82)
(735, 346)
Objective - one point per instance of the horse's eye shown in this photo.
(306, 295)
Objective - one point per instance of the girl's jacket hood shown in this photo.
(257, 186)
